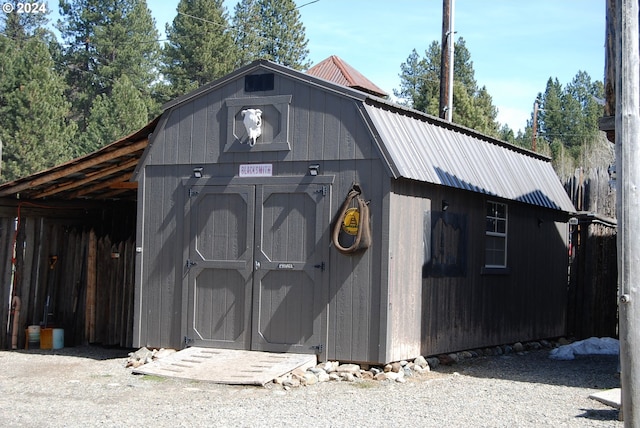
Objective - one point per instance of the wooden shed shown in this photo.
(239, 194)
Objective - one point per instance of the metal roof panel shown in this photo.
(427, 149)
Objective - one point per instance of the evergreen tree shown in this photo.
(272, 30)
(505, 133)
(106, 40)
(551, 117)
(463, 67)
(569, 116)
(418, 80)
(34, 115)
(117, 115)
(567, 128)
(420, 88)
(412, 73)
(200, 46)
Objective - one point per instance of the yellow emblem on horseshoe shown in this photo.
(351, 221)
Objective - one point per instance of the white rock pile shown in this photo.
(334, 371)
(394, 372)
(144, 355)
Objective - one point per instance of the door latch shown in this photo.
(320, 266)
(190, 263)
(322, 190)
(257, 265)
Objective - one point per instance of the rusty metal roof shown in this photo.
(103, 174)
(424, 148)
(337, 71)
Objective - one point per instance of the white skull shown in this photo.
(252, 119)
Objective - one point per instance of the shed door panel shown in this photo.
(257, 255)
(288, 278)
(220, 265)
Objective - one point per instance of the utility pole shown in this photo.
(627, 125)
(535, 124)
(446, 61)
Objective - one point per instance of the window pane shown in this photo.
(495, 251)
(490, 209)
(496, 235)
(491, 225)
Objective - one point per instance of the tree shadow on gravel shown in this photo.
(598, 372)
(589, 371)
(94, 352)
(600, 415)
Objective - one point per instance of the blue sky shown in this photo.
(515, 45)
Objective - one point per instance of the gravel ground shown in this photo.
(89, 386)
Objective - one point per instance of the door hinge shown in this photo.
(318, 348)
(187, 341)
(320, 266)
(190, 263)
(192, 192)
(322, 190)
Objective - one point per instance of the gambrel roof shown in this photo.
(412, 144)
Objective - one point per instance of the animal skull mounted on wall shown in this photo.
(252, 119)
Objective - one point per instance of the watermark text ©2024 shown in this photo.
(28, 7)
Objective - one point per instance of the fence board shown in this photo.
(593, 276)
(7, 233)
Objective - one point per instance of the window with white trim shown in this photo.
(495, 252)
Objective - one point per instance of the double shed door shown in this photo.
(256, 265)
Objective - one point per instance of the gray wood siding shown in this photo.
(356, 281)
(476, 309)
(160, 301)
(324, 128)
(406, 261)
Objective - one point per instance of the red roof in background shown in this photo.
(337, 71)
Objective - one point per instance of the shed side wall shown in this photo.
(469, 308)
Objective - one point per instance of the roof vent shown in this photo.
(258, 82)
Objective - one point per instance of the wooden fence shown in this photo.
(593, 278)
(66, 277)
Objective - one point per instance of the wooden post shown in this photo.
(535, 124)
(628, 203)
(90, 305)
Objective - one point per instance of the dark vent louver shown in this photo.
(259, 82)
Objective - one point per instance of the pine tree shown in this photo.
(420, 80)
(463, 67)
(117, 115)
(34, 115)
(412, 72)
(272, 30)
(569, 115)
(200, 46)
(106, 40)
(420, 88)
(568, 124)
